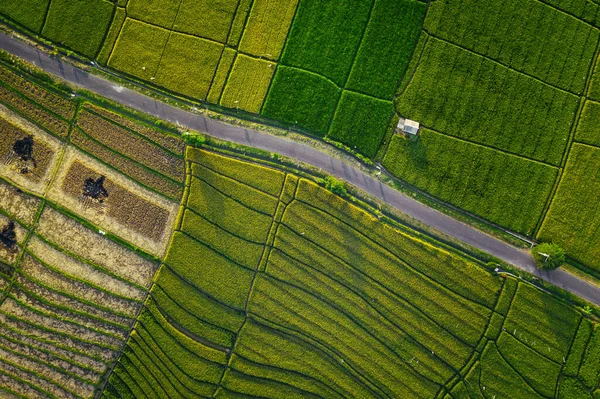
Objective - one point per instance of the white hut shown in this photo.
(408, 127)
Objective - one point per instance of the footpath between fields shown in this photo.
(510, 254)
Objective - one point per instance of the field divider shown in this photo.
(186, 332)
(391, 254)
(145, 372)
(316, 344)
(234, 234)
(143, 166)
(160, 364)
(385, 288)
(393, 352)
(569, 14)
(500, 63)
(209, 247)
(366, 300)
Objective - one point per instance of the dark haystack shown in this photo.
(94, 189)
(8, 238)
(24, 148)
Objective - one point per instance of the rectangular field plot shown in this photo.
(29, 13)
(28, 156)
(188, 65)
(505, 189)
(248, 83)
(525, 35)
(467, 96)
(138, 49)
(79, 25)
(386, 48)
(361, 121)
(302, 99)
(267, 28)
(155, 12)
(588, 130)
(573, 220)
(114, 202)
(209, 19)
(327, 48)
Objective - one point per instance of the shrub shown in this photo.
(548, 255)
(334, 185)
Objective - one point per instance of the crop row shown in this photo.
(525, 35)
(469, 96)
(45, 98)
(500, 187)
(257, 176)
(33, 112)
(123, 205)
(136, 171)
(571, 222)
(131, 145)
(367, 256)
(165, 140)
(17, 204)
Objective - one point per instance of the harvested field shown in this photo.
(56, 103)
(130, 168)
(33, 112)
(163, 139)
(131, 145)
(28, 156)
(87, 244)
(17, 204)
(126, 209)
(83, 272)
(41, 275)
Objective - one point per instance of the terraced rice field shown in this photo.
(271, 286)
(274, 287)
(236, 54)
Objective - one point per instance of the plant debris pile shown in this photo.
(94, 189)
(8, 238)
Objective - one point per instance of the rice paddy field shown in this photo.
(250, 56)
(132, 266)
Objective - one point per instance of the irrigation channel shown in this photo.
(304, 153)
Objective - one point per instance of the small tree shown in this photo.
(334, 185)
(548, 255)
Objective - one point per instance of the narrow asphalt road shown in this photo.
(304, 153)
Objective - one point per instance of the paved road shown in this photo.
(304, 153)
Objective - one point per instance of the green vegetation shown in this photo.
(393, 25)
(294, 96)
(79, 24)
(588, 130)
(209, 19)
(138, 49)
(471, 97)
(29, 13)
(188, 65)
(267, 28)
(220, 78)
(548, 255)
(112, 35)
(328, 48)
(157, 12)
(361, 121)
(248, 83)
(503, 188)
(572, 221)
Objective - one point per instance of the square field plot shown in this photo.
(29, 13)
(209, 19)
(188, 65)
(361, 121)
(387, 46)
(301, 98)
(325, 35)
(503, 188)
(248, 83)
(79, 24)
(138, 49)
(573, 220)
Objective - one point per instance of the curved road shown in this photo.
(515, 256)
